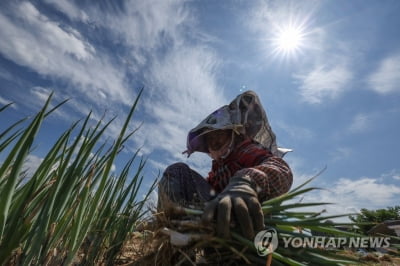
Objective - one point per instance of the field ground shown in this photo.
(139, 245)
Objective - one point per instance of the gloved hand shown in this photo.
(239, 198)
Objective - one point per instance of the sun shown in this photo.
(288, 40)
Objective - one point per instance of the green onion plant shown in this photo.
(73, 209)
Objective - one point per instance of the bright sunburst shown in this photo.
(288, 40)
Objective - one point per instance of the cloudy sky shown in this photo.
(327, 72)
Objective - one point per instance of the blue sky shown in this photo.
(333, 96)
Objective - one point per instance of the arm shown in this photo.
(272, 177)
(262, 176)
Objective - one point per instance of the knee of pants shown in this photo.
(176, 167)
(172, 177)
(173, 173)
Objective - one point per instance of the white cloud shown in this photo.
(296, 132)
(179, 75)
(151, 202)
(184, 93)
(65, 40)
(181, 80)
(159, 166)
(347, 195)
(5, 74)
(341, 153)
(33, 40)
(361, 189)
(22, 39)
(31, 164)
(40, 94)
(392, 174)
(67, 7)
(4, 101)
(351, 195)
(360, 123)
(267, 16)
(145, 26)
(386, 78)
(324, 82)
(301, 170)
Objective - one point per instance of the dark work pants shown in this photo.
(184, 187)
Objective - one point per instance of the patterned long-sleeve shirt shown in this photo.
(271, 175)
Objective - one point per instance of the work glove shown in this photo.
(240, 199)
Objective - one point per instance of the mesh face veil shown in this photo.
(220, 143)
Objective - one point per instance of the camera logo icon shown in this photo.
(266, 241)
